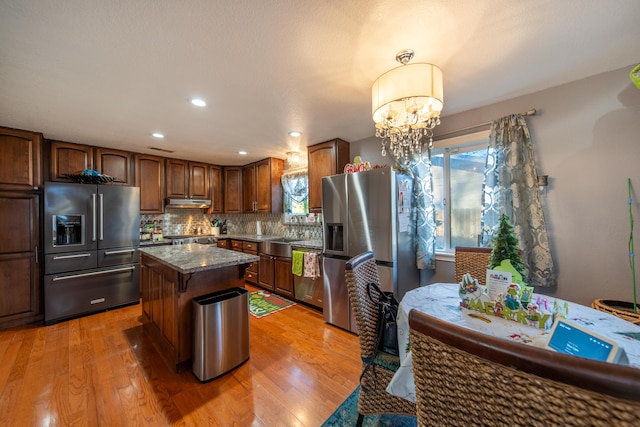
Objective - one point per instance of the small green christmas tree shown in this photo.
(505, 246)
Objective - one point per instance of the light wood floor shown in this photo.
(101, 370)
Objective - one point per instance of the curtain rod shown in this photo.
(531, 112)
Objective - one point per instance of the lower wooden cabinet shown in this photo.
(20, 260)
(275, 274)
(251, 273)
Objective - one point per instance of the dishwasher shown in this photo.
(307, 290)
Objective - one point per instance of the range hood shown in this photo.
(188, 203)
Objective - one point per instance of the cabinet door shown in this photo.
(19, 258)
(115, 163)
(20, 159)
(233, 190)
(266, 272)
(67, 158)
(249, 188)
(198, 180)
(283, 276)
(215, 185)
(268, 186)
(149, 173)
(324, 159)
(177, 172)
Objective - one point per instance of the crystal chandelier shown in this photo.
(406, 104)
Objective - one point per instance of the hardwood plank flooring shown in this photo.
(102, 370)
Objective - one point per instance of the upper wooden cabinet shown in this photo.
(115, 163)
(150, 178)
(325, 159)
(262, 191)
(20, 159)
(232, 189)
(187, 179)
(216, 184)
(68, 158)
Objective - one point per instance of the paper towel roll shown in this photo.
(258, 228)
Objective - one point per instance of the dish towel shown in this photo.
(311, 265)
(297, 261)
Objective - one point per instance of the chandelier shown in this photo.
(406, 104)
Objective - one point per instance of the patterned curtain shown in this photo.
(424, 213)
(510, 186)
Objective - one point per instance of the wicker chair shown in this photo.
(360, 271)
(464, 377)
(473, 261)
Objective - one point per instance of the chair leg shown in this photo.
(360, 420)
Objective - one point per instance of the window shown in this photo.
(458, 171)
(296, 191)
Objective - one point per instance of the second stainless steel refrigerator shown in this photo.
(91, 236)
(367, 211)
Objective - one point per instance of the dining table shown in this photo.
(441, 300)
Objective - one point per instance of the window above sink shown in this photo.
(295, 184)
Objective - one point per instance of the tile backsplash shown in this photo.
(190, 221)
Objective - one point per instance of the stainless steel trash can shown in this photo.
(220, 332)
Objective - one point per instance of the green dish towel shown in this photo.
(297, 262)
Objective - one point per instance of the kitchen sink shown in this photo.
(278, 247)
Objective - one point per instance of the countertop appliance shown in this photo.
(366, 211)
(92, 235)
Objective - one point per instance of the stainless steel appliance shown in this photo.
(309, 290)
(366, 211)
(92, 235)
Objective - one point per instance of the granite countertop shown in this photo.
(194, 257)
(307, 244)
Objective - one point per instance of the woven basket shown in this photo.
(621, 309)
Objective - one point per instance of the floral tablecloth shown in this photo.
(441, 300)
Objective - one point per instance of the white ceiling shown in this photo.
(109, 73)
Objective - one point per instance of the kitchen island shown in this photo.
(170, 277)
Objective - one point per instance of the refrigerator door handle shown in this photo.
(95, 273)
(101, 216)
(93, 202)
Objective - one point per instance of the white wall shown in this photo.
(586, 137)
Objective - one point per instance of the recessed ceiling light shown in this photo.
(157, 135)
(242, 153)
(198, 102)
(295, 133)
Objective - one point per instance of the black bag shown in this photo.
(387, 315)
(387, 338)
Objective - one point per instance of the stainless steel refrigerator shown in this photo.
(92, 235)
(366, 211)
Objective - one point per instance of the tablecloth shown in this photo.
(441, 300)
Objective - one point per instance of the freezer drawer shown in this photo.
(70, 261)
(73, 294)
(336, 310)
(110, 257)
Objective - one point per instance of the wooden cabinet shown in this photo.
(251, 273)
(283, 276)
(68, 158)
(20, 160)
(223, 243)
(187, 180)
(233, 189)
(115, 163)
(275, 274)
(262, 190)
(149, 176)
(324, 159)
(216, 184)
(249, 189)
(20, 260)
